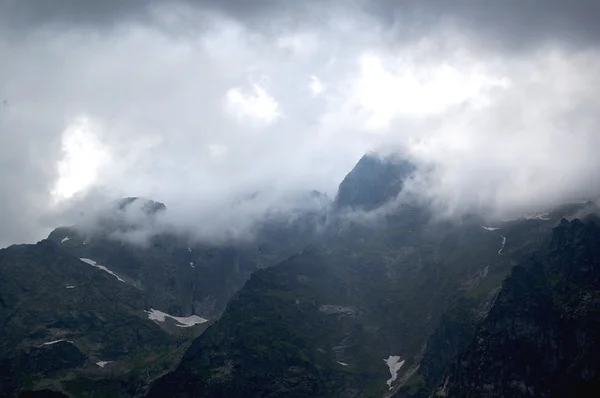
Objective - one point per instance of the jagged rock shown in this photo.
(373, 181)
(540, 338)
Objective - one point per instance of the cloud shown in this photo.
(315, 86)
(514, 24)
(254, 106)
(83, 154)
(198, 103)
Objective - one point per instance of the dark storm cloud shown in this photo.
(506, 23)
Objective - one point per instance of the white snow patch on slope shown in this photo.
(189, 249)
(394, 363)
(192, 264)
(503, 244)
(65, 239)
(54, 342)
(489, 228)
(103, 363)
(537, 216)
(343, 363)
(102, 267)
(183, 322)
(70, 287)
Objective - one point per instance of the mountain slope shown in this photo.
(372, 182)
(541, 337)
(324, 322)
(175, 273)
(59, 317)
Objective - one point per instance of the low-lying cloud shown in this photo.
(197, 105)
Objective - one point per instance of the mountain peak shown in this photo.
(372, 182)
(147, 206)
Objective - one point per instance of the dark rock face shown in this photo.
(50, 358)
(304, 313)
(182, 277)
(321, 323)
(149, 207)
(59, 315)
(372, 182)
(542, 336)
(42, 394)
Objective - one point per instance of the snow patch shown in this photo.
(183, 322)
(537, 216)
(394, 363)
(102, 267)
(342, 363)
(503, 244)
(192, 264)
(103, 363)
(70, 287)
(54, 342)
(189, 249)
(66, 238)
(489, 228)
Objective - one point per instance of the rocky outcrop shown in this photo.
(541, 337)
(373, 182)
(59, 316)
(323, 323)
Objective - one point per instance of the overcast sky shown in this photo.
(197, 103)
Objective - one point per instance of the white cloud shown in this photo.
(256, 105)
(168, 101)
(391, 86)
(315, 86)
(83, 155)
(303, 44)
(217, 150)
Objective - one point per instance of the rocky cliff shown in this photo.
(541, 338)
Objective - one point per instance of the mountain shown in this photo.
(357, 313)
(326, 299)
(85, 310)
(175, 273)
(372, 182)
(541, 337)
(60, 319)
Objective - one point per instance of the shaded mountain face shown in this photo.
(373, 182)
(59, 317)
(147, 206)
(541, 337)
(176, 274)
(328, 321)
(85, 312)
(127, 214)
(316, 305)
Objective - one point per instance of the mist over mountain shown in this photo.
(327, 198)
(286, 304)
(196, 104)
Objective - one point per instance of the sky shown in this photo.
(200, 103)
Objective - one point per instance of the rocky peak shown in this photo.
(372, 182)
(130, 214)
(148, 206)
(540, 336)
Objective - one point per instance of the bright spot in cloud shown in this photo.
(316, 87)
(301, 44)
(256, 105)
(386, 91)
(83, 154)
